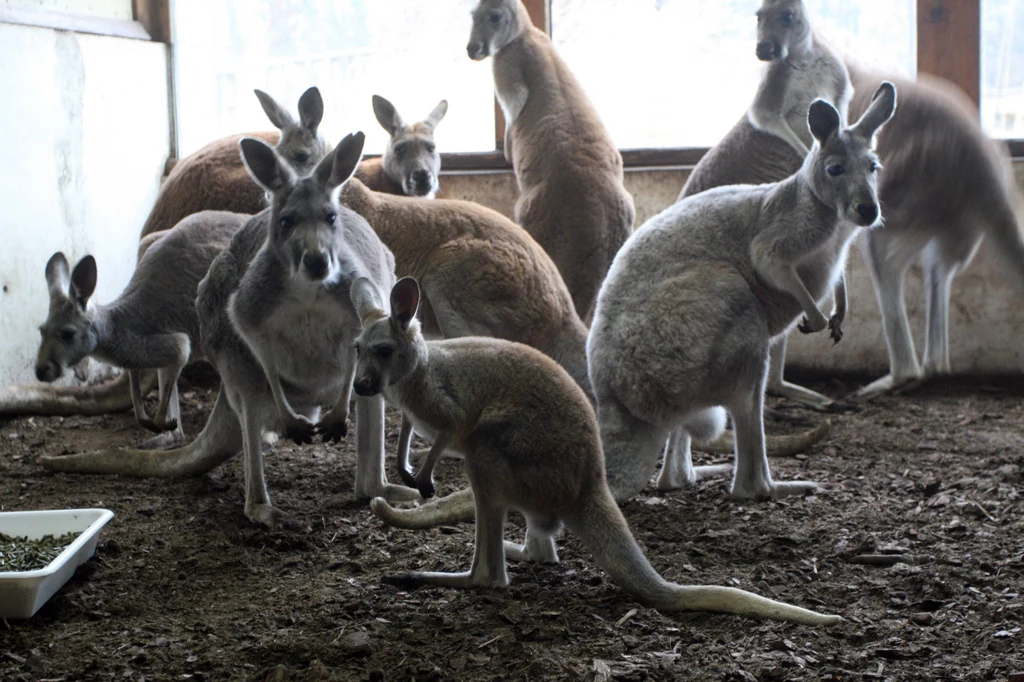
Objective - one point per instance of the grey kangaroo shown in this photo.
(696, 298)
(531, 444)
(410, 162)
(278, 323)
(151, 325)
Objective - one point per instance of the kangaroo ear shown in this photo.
(58, 276)
(437, 114)
(277, 114)
(822, 119)
(405, 301)
(386, 115)
(883, 106)
(366, 299)
(264, 166)
(83, 281)
(311, 109)
(339, 165)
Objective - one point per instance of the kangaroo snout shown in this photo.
(767, 50)
(48, 371)
(868, 213)
(366, 387)
(315, 265)
(422, 181)
(476, 51)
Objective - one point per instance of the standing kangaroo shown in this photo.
(214, 177)
(695, 299)
(278, 324)
(572, 200)
(410, 162)
(530, 443)
(946, 187)
(151, 325)
(770, 142)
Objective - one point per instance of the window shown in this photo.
(410, 51)
(110, 9)
(1002, 68)
(680, 73)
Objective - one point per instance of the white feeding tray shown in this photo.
(23, 592)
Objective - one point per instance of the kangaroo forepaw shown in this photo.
(333, 431)
(835, 329)
(300, 430)
(408, 477)
(426, 488)
(151, 425)
(808, 327)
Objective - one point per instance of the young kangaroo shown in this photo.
(686, 318)
(946, 187)
(572, 200)
(278, 323)
(214, 177)
(152, 324)
(410, 162)
(770, 142)
(530, 443)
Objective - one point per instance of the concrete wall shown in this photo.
(85, 137)
(987, 313)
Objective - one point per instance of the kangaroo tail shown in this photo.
(220, 440)
(44, 399)
(777, 446)
(1004, 231)
(600, 525)
(441, 511)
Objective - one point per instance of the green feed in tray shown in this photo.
(23, 554)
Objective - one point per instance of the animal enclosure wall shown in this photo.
(986, 311)
(86, 137)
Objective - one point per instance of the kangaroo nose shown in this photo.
(766, 50)
(474, 50)
(869, 212)
(364, 388)
(47, 372)
(315, 265)
(422, 180)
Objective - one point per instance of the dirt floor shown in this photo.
(928, 486)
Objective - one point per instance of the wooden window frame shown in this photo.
(151, 21)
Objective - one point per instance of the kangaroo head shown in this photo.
(300, 144)
(390, 347)
(496, 23)
(306, 220)
(842, 167)
(411, 158)
(782, 29)
(68, 333)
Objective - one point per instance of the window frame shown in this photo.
(151, 21)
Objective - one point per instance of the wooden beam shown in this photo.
(949, 42)
(155, 15)
(540, 15)
(69, 21)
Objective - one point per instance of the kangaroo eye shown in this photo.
(400, 151)
(835, 170)
(494, 18)
(430, 147)
(384, 352)
(286, 224)
(300, 157)
(786, 18)
(330, 218)
(66, 335)
(874, 167)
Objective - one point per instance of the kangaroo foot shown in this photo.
(886, 385)
(674, 479)
(164, 441)
(270, 516)
(773, 490)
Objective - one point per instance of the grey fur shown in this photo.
(151, 325)
(410, 160)
(686, 317)
(278, 323)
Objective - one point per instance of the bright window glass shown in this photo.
(110, 9)
(410, 51)
(1002, 68)
(680, 73)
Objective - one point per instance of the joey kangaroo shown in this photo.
(695, 299)
(410, 162)
(278, 323)
(968, 193)
(151, 325)
(214, 177)
(770, 142)
(571, 196)
(530, 443)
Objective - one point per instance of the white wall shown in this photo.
(85, 138)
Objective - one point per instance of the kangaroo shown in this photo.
(940, 221)
(770, 142)
(410, 163)
(530, 442)
(686, 318)
(571, 196)
(279, 326)
(214, 177)
(152, 324)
